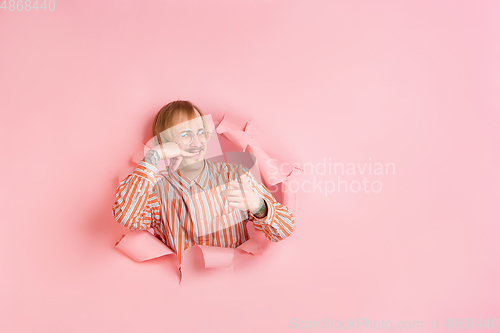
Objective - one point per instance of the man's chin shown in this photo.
(194, 162)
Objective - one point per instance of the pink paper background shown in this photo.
(414, 83)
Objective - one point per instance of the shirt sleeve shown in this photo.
(279, 222)
(136, 206)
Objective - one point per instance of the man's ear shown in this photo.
(161, 138)
(156, 140)
(164, 136)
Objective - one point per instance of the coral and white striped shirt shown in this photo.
(184, 212)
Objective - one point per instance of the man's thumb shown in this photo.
(243, 176)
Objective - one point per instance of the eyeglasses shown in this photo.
(187, 137)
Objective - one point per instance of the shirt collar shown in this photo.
(205, 179)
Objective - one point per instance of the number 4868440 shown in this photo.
(27, 5)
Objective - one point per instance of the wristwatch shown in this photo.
(260, 208)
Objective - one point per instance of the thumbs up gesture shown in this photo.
(240, 194)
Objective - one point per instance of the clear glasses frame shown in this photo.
(186, 137)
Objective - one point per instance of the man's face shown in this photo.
(180, 133)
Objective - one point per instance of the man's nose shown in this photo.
(196, 142)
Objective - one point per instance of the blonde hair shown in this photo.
(164, 119)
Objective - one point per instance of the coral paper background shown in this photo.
(412, 83)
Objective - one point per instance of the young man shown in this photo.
(195, 201)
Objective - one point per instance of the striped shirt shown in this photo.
(184, 212)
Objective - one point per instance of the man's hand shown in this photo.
(167, 151)
(242, 196)
(171, 150)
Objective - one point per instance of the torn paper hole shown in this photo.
(143, 245)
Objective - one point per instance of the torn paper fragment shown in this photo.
(251, 246)
(141, 245)
(217, 256)
(234, 134)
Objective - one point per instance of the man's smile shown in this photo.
(197, 152)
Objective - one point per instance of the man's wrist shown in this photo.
(152, 157)
(261, 212)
